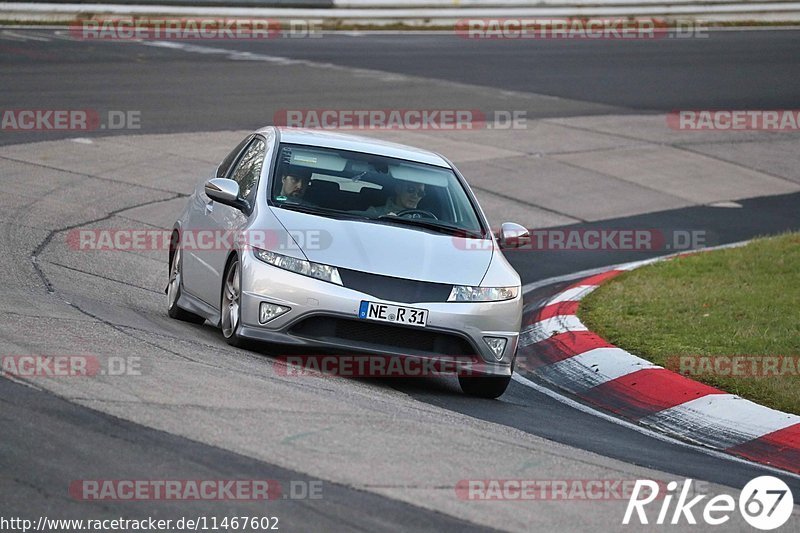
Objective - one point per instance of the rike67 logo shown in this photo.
(765, 503)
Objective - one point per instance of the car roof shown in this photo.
(357, 143)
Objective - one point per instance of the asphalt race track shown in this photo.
(208, 91)
(596, 152)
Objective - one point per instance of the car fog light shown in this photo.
(269, 312)
(497, 345)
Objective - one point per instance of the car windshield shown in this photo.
(373, 188)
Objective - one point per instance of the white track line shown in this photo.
(25, 37)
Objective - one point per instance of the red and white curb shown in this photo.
(557, 348)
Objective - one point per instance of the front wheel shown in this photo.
(484, 386)
(230, 304)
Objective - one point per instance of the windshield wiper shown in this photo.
(430, 224)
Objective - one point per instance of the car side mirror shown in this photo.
(513, 235)
(225, 191)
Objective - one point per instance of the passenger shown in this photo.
(407, 195)
(294, 183)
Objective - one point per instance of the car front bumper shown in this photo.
(320, 311)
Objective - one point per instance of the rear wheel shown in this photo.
(174, 291)
(484, 386)
(230, 304)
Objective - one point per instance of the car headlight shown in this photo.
(461, 293)
(299, 266)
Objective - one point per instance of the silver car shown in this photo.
(324, 240)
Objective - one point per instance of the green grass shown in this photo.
(739, 301)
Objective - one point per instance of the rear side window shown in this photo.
(222, 170)
(248, 169)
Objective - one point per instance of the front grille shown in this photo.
(395, 289)
(379, 336)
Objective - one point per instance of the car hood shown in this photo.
(389, 250)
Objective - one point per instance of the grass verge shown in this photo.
(729, 318)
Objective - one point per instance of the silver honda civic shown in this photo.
(350, 245)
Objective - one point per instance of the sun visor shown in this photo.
(421, 174)
(313, 159)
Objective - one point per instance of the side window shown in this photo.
(248, 169)
(223, 168)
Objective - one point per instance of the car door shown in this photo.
(224, 221)
(196, 273)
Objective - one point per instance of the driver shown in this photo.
(294, 183)
(407, 195)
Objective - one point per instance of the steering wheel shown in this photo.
(417, 213)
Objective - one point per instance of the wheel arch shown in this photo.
(233, 254)
(174, 239)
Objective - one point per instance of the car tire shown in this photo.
(174, 290)
(484, 386)
(230, 318)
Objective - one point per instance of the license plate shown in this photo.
(393, 313)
